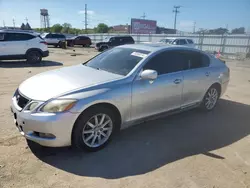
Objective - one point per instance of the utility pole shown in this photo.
(176, 11)
(194, 27)
(143, 16)
(14, 23)
(86, 19)
(3, 24)
(26, 19)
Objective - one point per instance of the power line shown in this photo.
(176, 11)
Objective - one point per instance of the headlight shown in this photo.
(58, 105)
(32, 106)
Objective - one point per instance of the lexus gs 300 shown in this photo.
(87, 104)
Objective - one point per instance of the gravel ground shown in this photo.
(191, 149)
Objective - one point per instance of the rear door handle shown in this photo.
(207, 73)
(177, 81)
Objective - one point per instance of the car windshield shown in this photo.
(168, 41)
(43, 35)
(117, 60)
(106, 39)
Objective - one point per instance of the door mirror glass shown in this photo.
(149, 74)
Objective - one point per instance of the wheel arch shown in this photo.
(116, 111)
(33, 49)
(217, 85)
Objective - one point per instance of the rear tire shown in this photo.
(86, 45)
(91, 134)
(210, 99)
(34, 57)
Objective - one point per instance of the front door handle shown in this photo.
(177, 81)
(207, 73)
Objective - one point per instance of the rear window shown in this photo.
(117, 60)
(182, 42)
(129, 39)
(60, 36)
(190, 41)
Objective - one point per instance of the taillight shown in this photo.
(43, 42)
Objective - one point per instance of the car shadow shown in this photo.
(21, 64)
(148, 146)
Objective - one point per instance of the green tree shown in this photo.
(66, 27)
(57, 28)
(240, 30)
(102, 28)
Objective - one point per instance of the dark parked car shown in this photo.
(79, 40)
(110, 42)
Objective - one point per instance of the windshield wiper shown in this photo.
(97, 68)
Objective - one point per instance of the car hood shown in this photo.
(50, 84)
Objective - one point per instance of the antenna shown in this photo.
(143, 16)
(14, 23)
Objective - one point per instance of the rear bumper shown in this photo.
(45, 53)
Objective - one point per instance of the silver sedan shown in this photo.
(85, 105)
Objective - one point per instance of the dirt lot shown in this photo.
(191, 149)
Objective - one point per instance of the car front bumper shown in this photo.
(45, 53)
(33, 125)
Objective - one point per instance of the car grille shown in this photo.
(21, 100)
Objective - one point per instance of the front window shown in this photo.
(117, 60)
(167, 41)
(106, 39)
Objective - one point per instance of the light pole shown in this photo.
(176, 11)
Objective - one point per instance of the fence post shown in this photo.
(248, 46)
(201, 37)
(223, 43)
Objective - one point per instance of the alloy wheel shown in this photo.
(211, 98)
(97, 130)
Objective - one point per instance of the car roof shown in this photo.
(173, 38)
(122, 36)
(19, 31)
(156, 47)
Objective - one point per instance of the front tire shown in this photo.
(103, 48)
(34, 57)
(94, 129)
(210, 99)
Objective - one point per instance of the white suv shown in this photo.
(178, 41)
(18, 44)
(54, 39)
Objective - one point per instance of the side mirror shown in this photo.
(149, 75)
